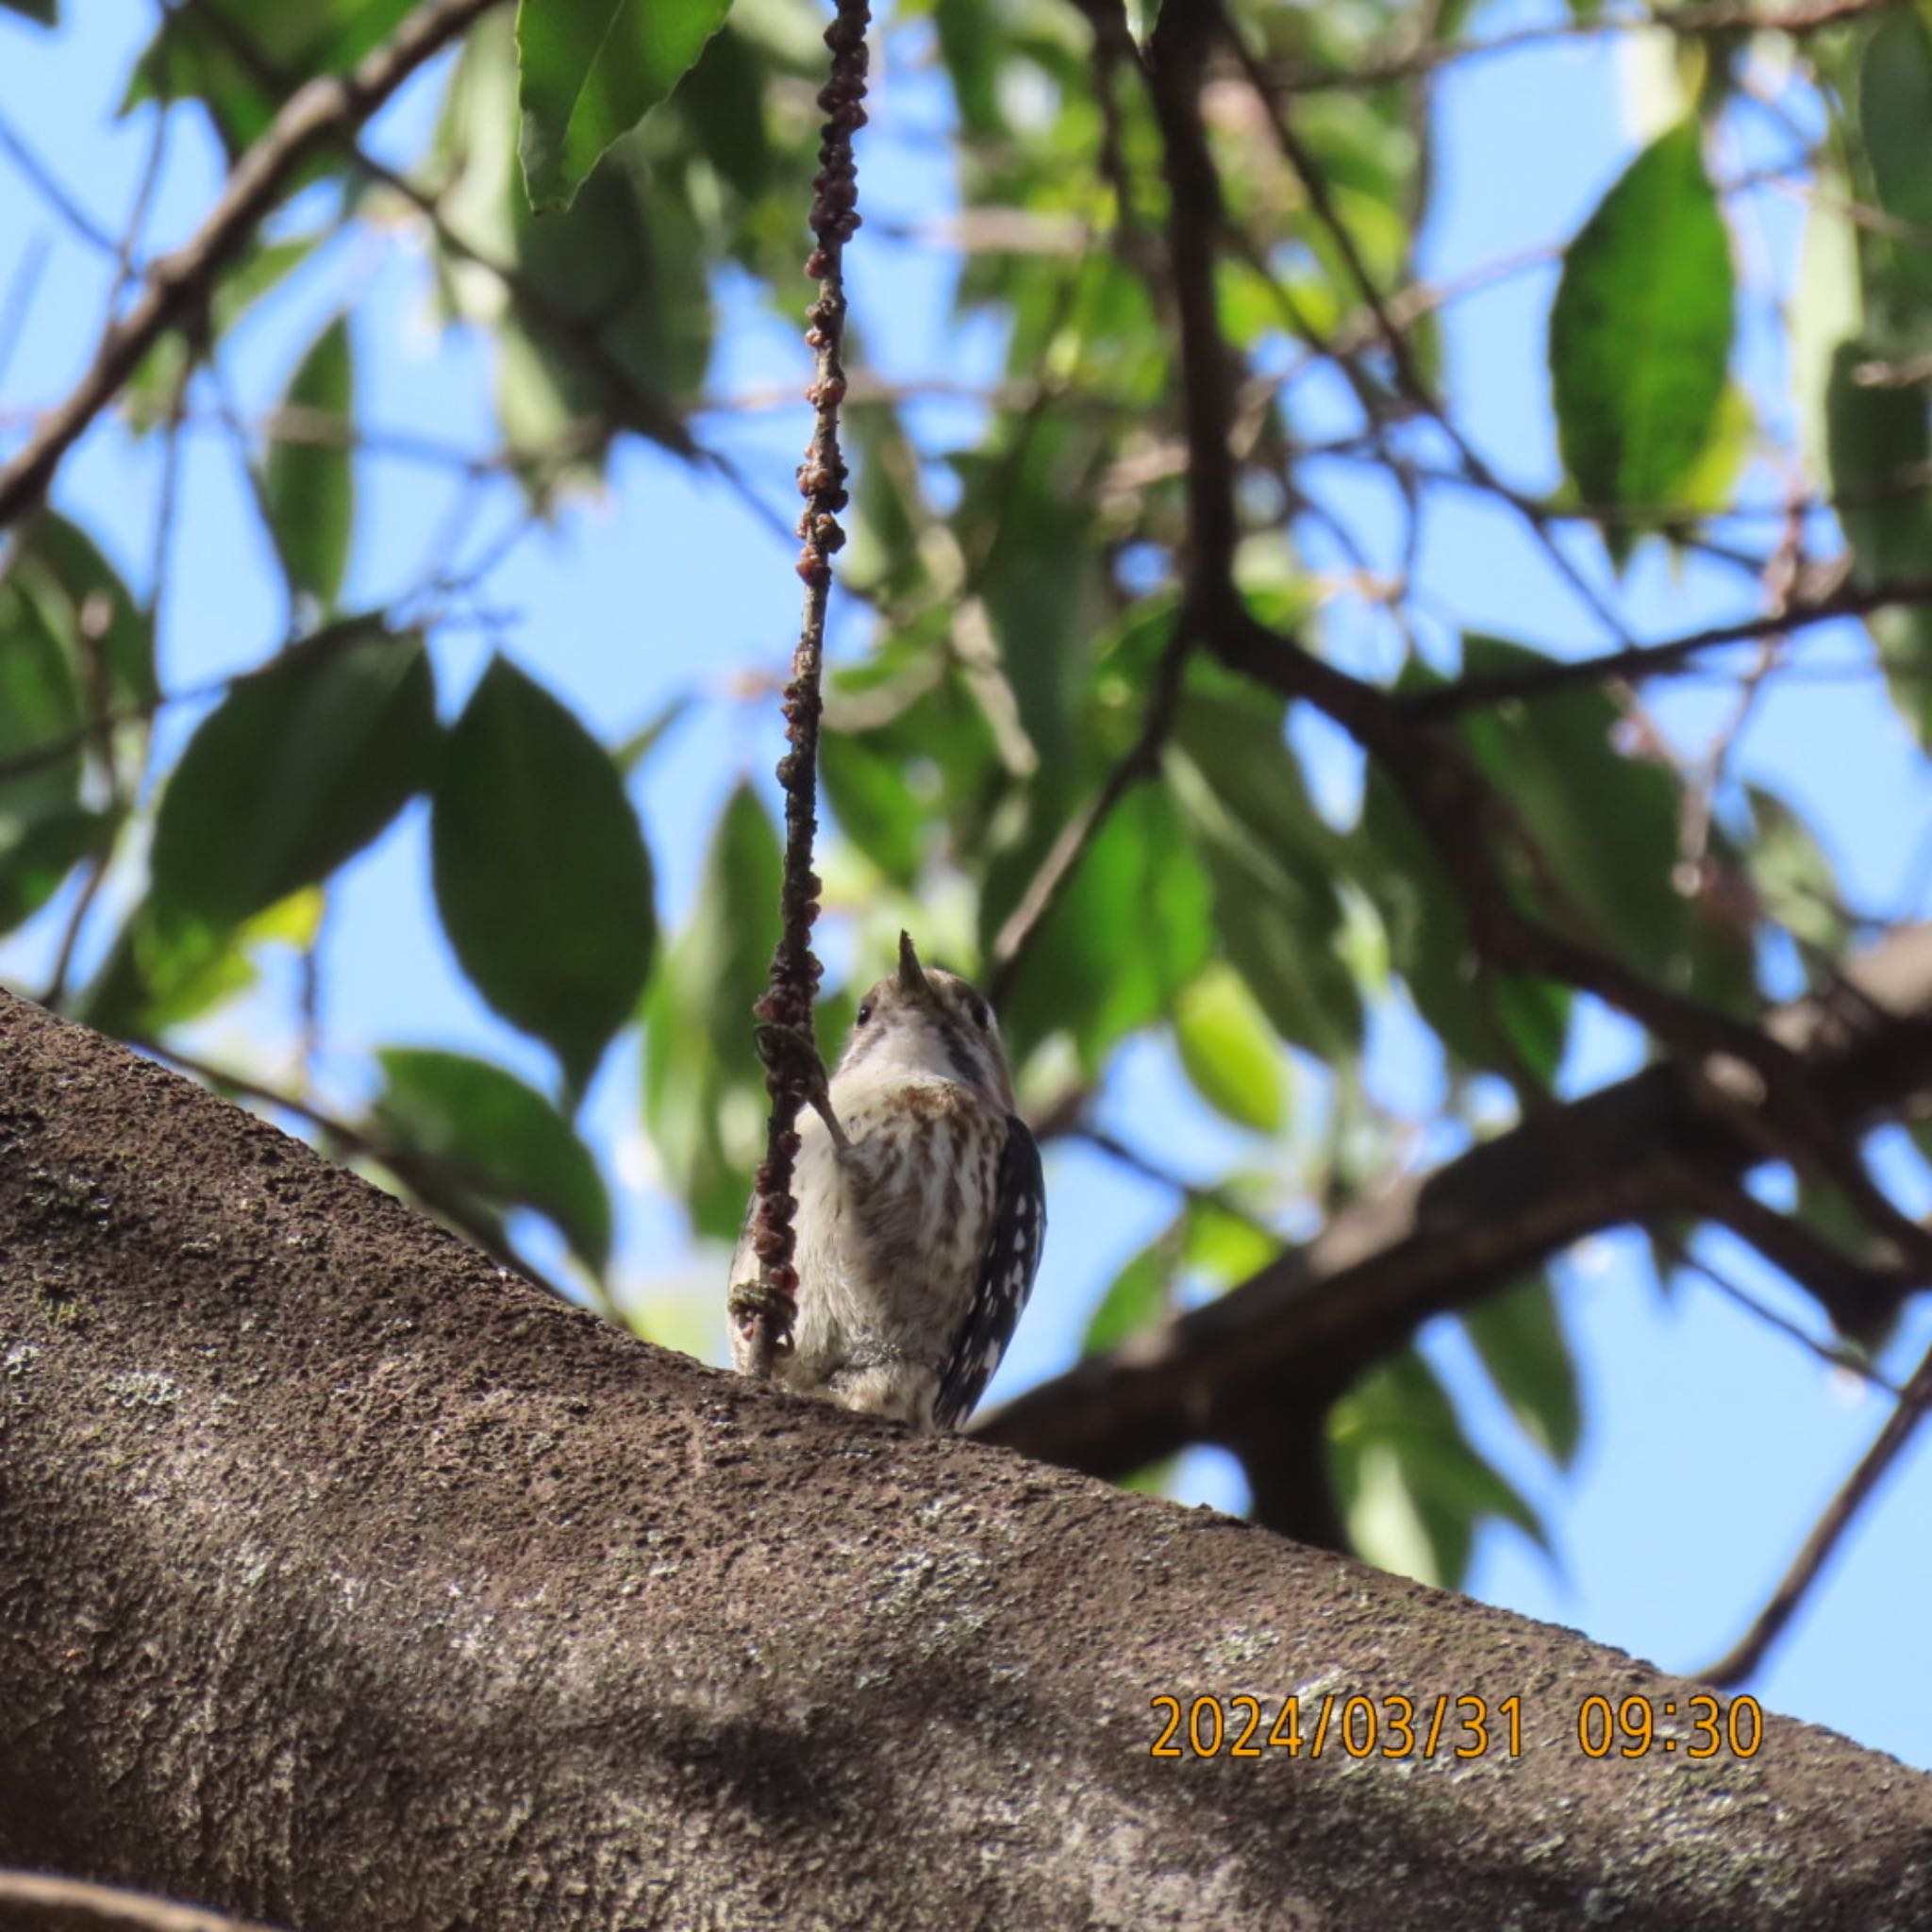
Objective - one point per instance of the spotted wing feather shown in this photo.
(1007, 1266)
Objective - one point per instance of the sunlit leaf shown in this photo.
(541, 877)
(589, 71)
(498, 1138)
(165, 969)
(299, 767)
(308, 486)
(1229, 1052)
(1641, 332)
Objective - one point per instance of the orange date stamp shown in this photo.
(1463, 1727)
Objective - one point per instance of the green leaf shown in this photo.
(704, 1092)
(499, 1138)
(241, 58)
(1792, 876)
(164, 970)
(1878, 441)
(1229, 1052)
(1428, 941)
(60, 556)
(866, 787)
(1895, 113)
(41, 708)
(309, 487)
(240, 284)
(298, 769)
(1410, 1486)
(541, 876)
(1608, 825)
(1520, 1338)
(1138, 1296)
(37, 853)
(44, 12)
(1641, 332)
(1130, 928)
(589, 71)
(1273, 862)
(634, 752)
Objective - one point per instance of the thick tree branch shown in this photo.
(357, 1584)
(178, 283)
(1646, 1147)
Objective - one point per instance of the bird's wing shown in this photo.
(1007, 1267)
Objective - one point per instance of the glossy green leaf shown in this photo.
(589, 71)
(308, 488)
(541, 877)
(497, 1137)
(1640, 332)
(1519, 1339)
(1230, 1051)
(704, 1090)
(298, 769)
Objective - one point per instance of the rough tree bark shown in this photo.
(351, 1584)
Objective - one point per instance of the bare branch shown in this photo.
(1829, 1531)
(1641, 1149)
(1668, 657)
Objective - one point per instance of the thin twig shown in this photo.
(1665, 659)
(1826, 1534)
(763, 1311)
(176, 284)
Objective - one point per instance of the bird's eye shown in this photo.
(978, 1010)
(863, 1014)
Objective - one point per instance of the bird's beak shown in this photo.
(913, 977)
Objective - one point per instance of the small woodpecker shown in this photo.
(921, 1210)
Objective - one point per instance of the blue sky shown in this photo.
(1711, 1441)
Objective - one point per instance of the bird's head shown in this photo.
(924, 1020)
